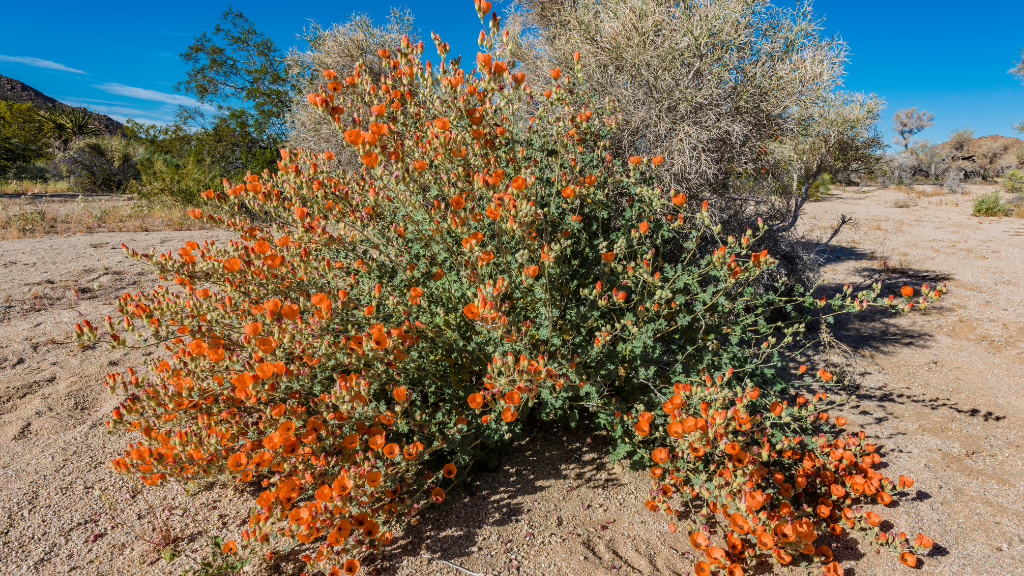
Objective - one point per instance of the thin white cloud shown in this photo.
(122, 111)
(152, 95)
(39, 63)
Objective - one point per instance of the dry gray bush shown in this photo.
(339, 48)
(907, 123)
(738, 95)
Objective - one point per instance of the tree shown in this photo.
(841, 134)
(706, 84)
(1018, 71)
(239, 72)
(908, 122)
(21, 138)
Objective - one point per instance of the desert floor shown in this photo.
(941, 392)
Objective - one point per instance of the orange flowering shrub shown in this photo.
(374, 333)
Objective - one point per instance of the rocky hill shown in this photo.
(16, 91)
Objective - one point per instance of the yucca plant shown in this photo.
(65, 125)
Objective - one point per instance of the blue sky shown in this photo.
(121, 58)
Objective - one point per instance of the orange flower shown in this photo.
(765, 540)
(392, 450)
(835, 529)
(354, 136)
(471, 311)
(679, 199)
(556, 73)
(700, 540)
(840, 421)
(531, 271)
(883, 498)
(518, 183)
(323, 493)
(419, 164)
(923, 541)
(266, 344)
(739, 523)
(508, 414)
(400, 393)
(675, 430)
(734, 570)
(229, 547)
(449, 470)
(608, 256)
(442, 124)
(370, 159)
(568, 192)
(660, 455)
(775, 408)
(837, 490)
(702, 568)
(351, 566)
(237, 461)
(907, 291)
(437, 495)
(657, 160)
(873, 519)
(373, 478)
(458, 201)
(908, 559)
(476, 400)
(232, 264)
(644, 227)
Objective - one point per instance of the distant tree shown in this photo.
(1018, 71)
(21, 137)
(240, 72)
(959, 141)
(907, 123)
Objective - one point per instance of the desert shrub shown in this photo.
(741, 97)
(375, 333)
(990, 205)
(105, 165)
(1013, 181)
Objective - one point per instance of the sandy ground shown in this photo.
(941, 391)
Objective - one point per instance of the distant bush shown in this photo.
(169, 176)
(1013, 181)
(101, 165)
(991, 205)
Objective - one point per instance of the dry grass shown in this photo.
(907, 201)
(35, 219)
(34, 187)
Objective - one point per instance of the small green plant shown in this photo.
(820, 187)
(223, 560)
(990, 205)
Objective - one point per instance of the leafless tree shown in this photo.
(907, 123)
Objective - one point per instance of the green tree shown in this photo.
(21, 137)
(239, 72)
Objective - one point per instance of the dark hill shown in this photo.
(16, 91)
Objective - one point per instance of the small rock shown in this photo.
(1003, 548)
